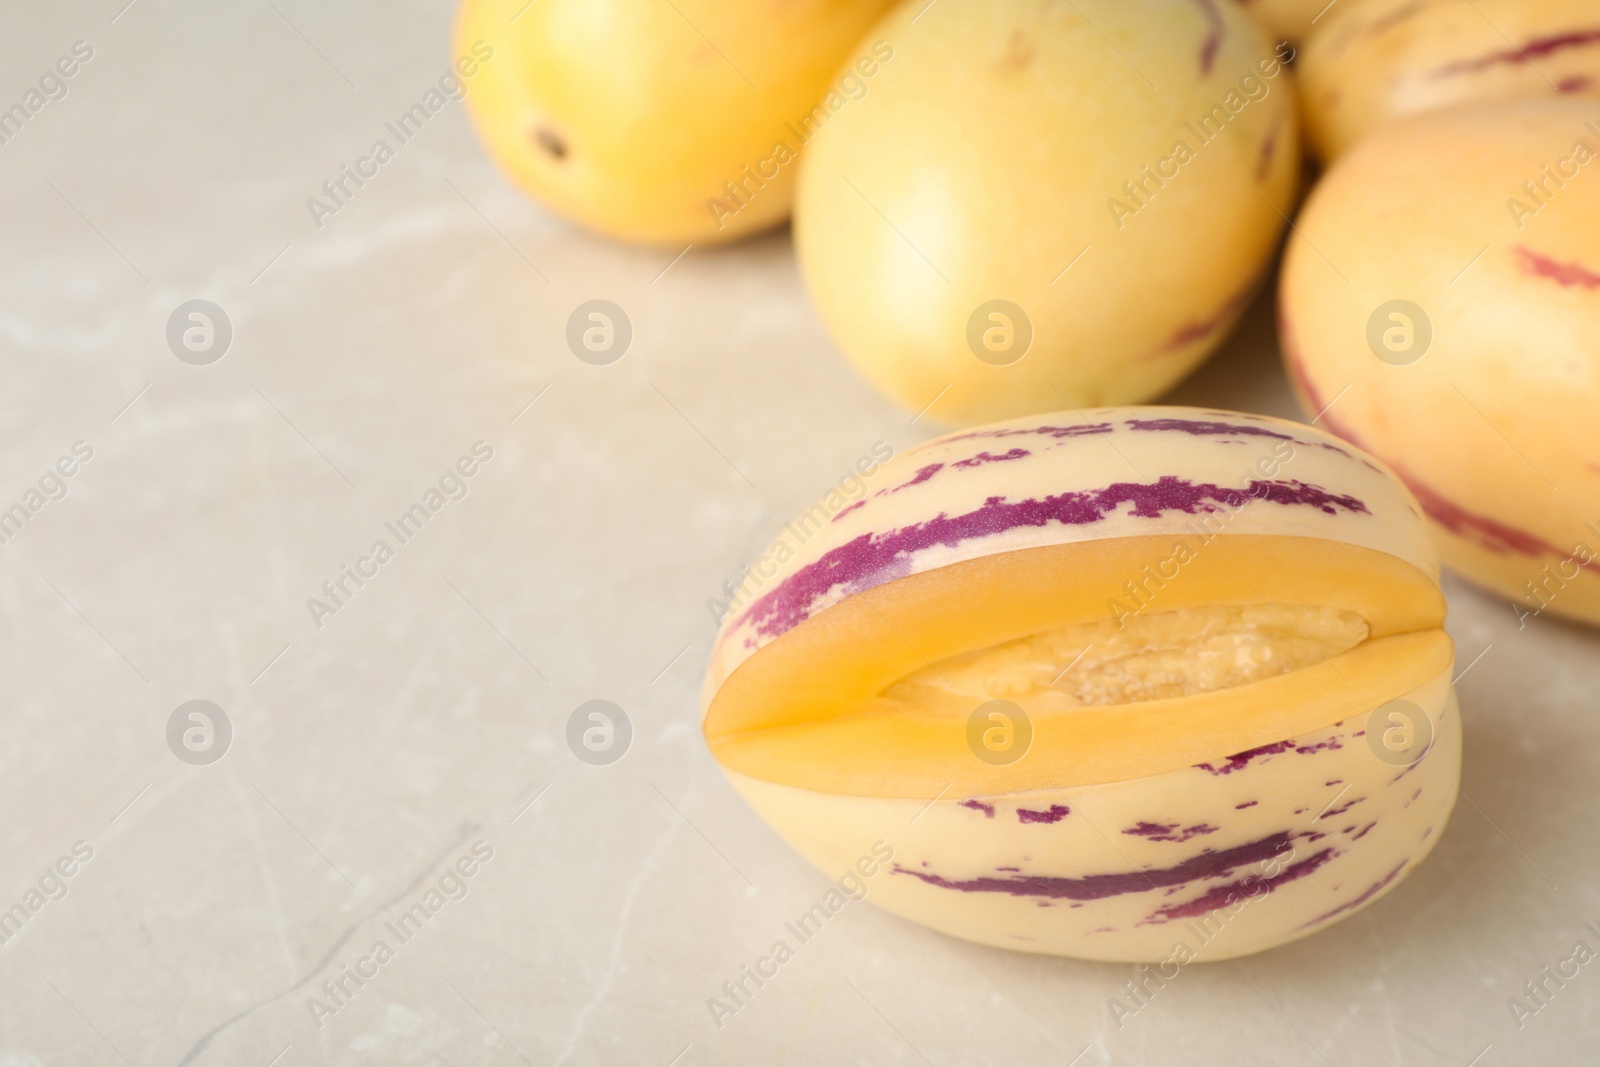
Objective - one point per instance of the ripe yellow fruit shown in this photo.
(1016, 218)
(1382, 60)
(1441, 298)
(661, 122)
(1086, 679)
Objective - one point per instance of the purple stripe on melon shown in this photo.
(1341, 809)
(1371, 891)
(1575, 84)
(978, 805)
(1269, 149)
(1155, 831)
(1205, 428)
(1191, 332)
(1481, 530)
(1193, 427)
(1101, 886)
(1563, 274)
(922, 475)
(986, 457)
(1414, 764)
(1087, 429)
(1251, 886)
(1239, 760)
(1213, 40)
(871, 560)
(1298, 377)
(1527, 53)
(1486, 533)
(847, 510)
(1055, 813)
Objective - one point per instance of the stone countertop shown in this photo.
(411, 738)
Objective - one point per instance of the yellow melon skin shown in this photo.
(1467, 216)
(1223, 862)
(1040, 205)
(662, 123)
(1290, 20)
(1371, 63)
(1195, 628)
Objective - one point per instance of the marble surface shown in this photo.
(375, 747)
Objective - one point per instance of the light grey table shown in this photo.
(374, 746)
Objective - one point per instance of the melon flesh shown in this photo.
(1167, 654)
(1262, 638)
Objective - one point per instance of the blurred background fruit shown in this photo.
(1372, 62)
(1441, 300)
(1037, 206)
(1289, 20)
(659, 122)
